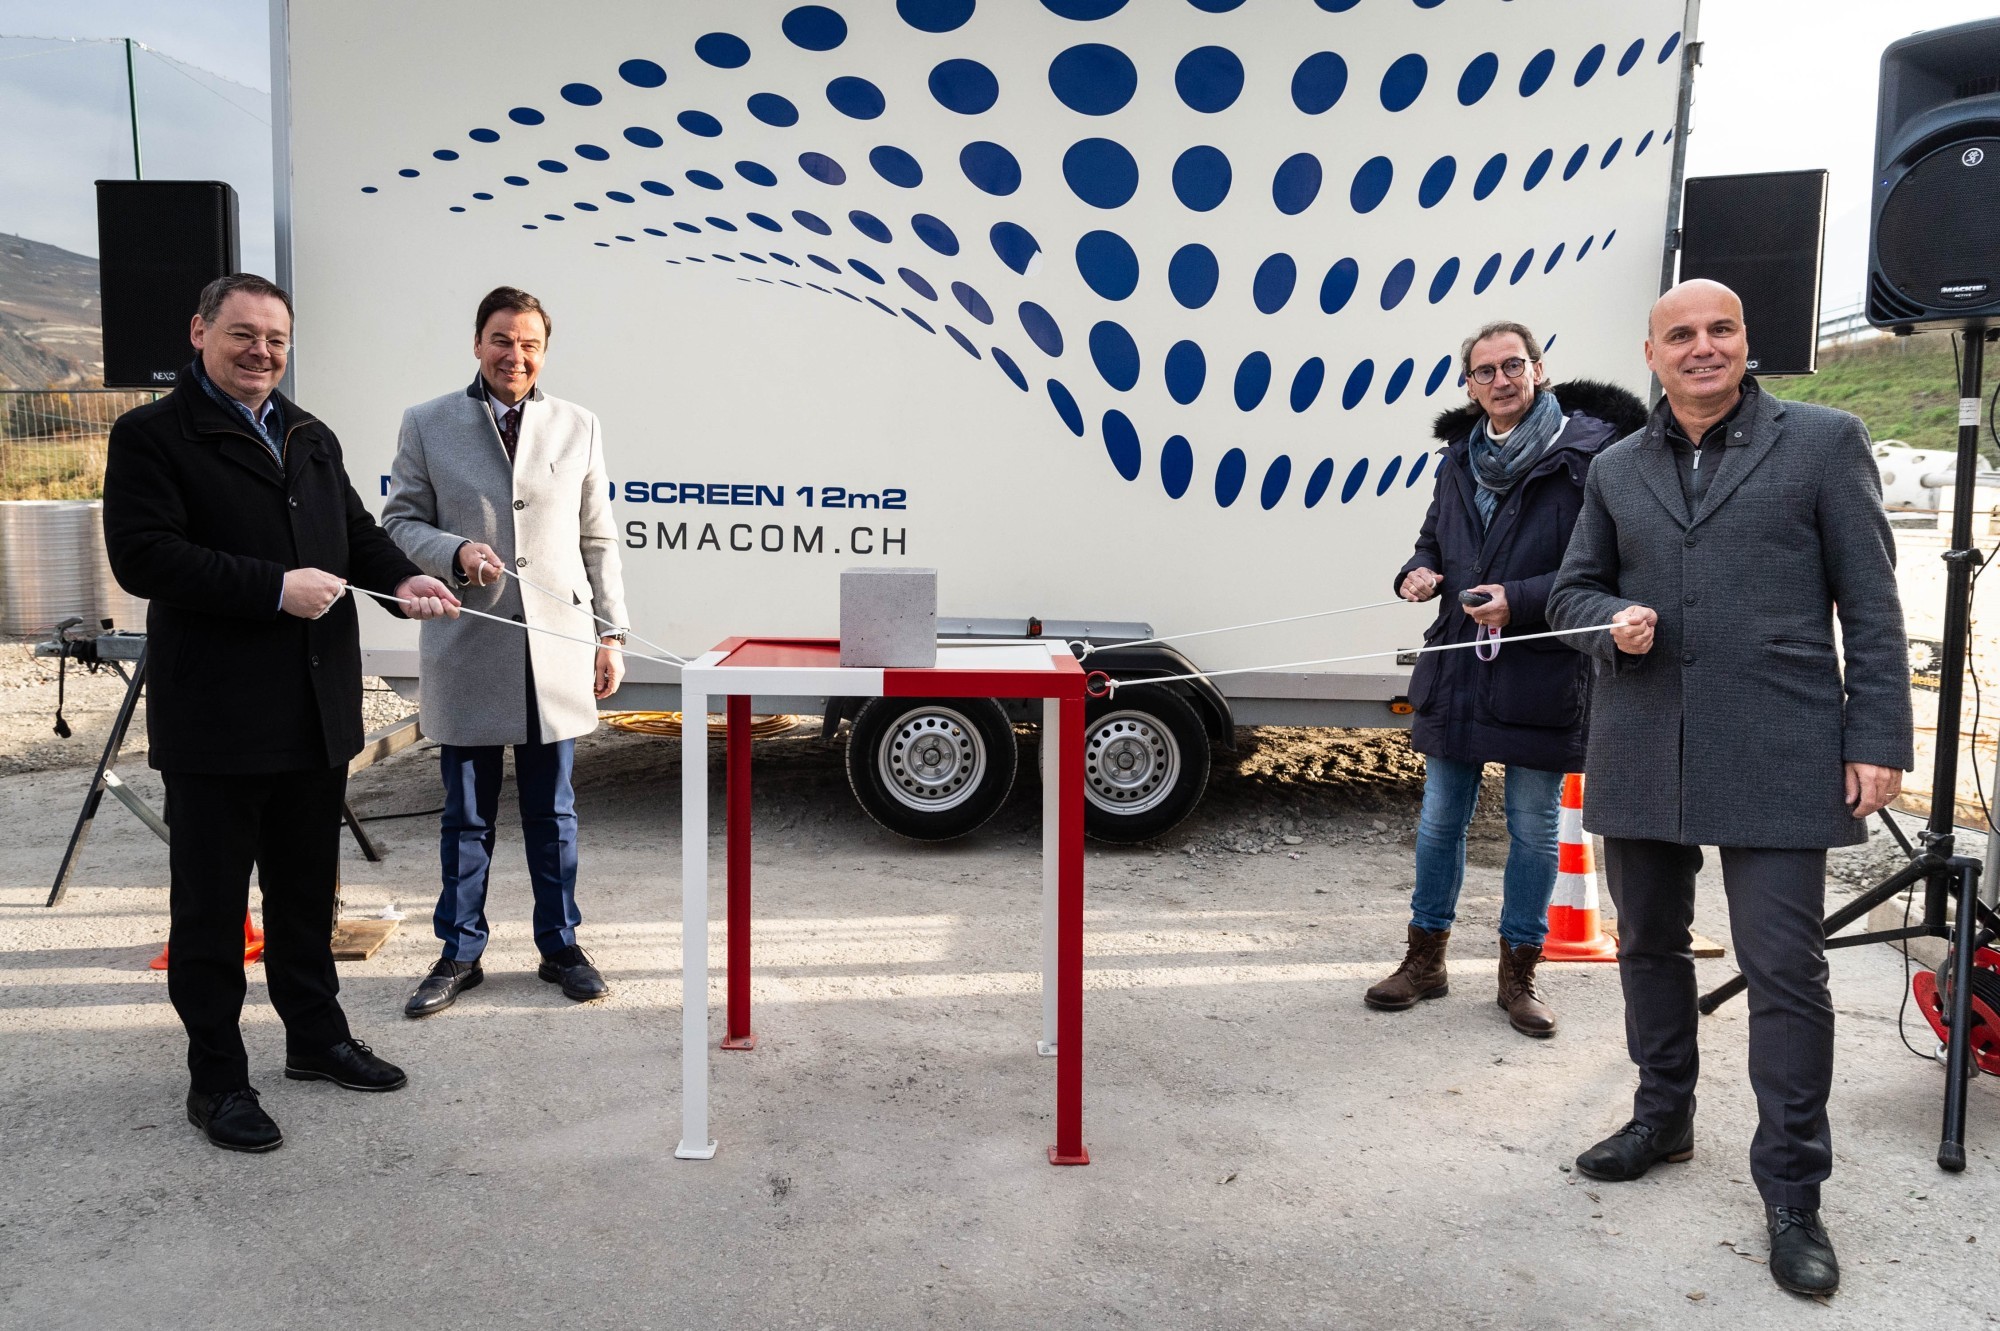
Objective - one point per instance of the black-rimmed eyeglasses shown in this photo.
(1513, 367)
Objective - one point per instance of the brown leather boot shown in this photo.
(1422, 974)
(1526, 1011)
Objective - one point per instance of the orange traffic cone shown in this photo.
(253, 945)
(1576, 932)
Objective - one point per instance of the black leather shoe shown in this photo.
(1635, 1148)
(571, 969)
(234, 1120)
(1802, 1258)
(350, 1063)
(441, 988)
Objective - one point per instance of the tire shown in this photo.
(1146, 764)
(931, 768)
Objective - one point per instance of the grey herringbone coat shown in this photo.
(1733, 729)
(549, 517)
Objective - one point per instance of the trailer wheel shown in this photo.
(1145, 761)
(931, 768)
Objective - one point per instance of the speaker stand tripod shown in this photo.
(1946, 876)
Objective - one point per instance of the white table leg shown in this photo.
(1051, 864)
(695, 1141)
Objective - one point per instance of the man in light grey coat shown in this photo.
(502, 490)
(1722, 541)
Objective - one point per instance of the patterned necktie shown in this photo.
(510, 431)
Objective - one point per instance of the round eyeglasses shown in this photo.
(1513, 367)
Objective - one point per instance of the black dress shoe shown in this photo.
(1635, 1148)
(571, 969)
(1802, 1259)
(441, 988)
(350, 1063)
(234, 1120)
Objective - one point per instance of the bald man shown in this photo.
(1722, 541)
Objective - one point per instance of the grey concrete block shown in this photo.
(888, 617)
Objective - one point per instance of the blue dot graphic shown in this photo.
(655, 187)
(768, 223)
(525, 115)
(1107, 264)
(1436, 182)
(823, 168)
(1306, 383)
(1355, 476)
(964, 86)
(552, 166)
(1216, 6)
(1576, 161)
(1443, 280)
(1537, 72)
(1538, 168)
(773, 109)
(553, 217)
(963, 341)
(827, 264)
(1176, 466)
(1186, 371)
(584, 207)
(1093, 79)
(1229, 477)
(1478, 78)
(1521, 266)
(1083, 11)
(590, 152)
(934, 233)
(1584, 248)
(1296, 183)
(812, 222)
(720, 224)
(1121, 444)
(1115, 354)
(757, 173)
(1101, 172)
(1337, 287)
(1399, 379)
(1209, 78)
(1416, 471)
(641, 137)
(867, 272)
(1276, 477)
(724, 50)
(1318, 82)
(1272, 286)
(705, 179)
(1201, 177)
(368, 189)
(1192, 274)
(1316, 484)
(1066, 407)
(1438, 372)
(918, 320)
(458, 207)
(814, 28)
(642, 73)
(1041, 329)
(484, 135)
(935, 15)
(482, 196)
(990, 167)
(1586, 68)
(1490, 176)
(1631, 56)
(445, 155)
(515, 180)
(1403, 81)
(1388, 477)
(1644, 144)
(581, 94)
(411, 173)
(1397, 284)
(699, 123)
(1555, 257)
(1667, 51)
(1253, 380)
(1487, 272)
(1010, 369)
(1356, 387)
(1371, 184)
(869, 225)
(1610, 154)
(974, 303)
(896, 166)
(855, 97)
(1014, 246)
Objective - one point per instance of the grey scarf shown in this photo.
(1499, 466)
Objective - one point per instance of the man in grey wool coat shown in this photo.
(495, 479)
(1722, 541)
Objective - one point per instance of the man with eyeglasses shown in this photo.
(228, 507)
(1506, 495)
(1721, 543)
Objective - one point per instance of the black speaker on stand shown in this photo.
(159, 242)
(1762, 236)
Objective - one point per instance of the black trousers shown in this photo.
(288, 825)
(1776, 902)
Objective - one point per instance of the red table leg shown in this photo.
(1069, 1148)
(737, 841)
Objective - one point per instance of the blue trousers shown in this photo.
(1451, 795)
(465, 839)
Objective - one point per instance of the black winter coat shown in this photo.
(1527, 707)
(200, 521)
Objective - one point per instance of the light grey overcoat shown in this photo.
(1733, 730)
(548, 516)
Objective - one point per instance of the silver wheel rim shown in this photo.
(931, 759)
(1131, 762)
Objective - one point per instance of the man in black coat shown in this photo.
(228, 507)
(1507, 493)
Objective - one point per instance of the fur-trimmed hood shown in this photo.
(1623, 412)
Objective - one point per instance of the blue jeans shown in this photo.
(1451, 794)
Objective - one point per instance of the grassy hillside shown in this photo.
(1904, 387)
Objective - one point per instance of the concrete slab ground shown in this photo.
(1265, 1151)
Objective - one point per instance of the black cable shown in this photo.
(384, 817)
(1902, 1008)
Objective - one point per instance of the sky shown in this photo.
(1783, 85)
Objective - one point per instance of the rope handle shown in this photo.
(532, 628)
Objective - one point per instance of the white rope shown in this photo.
(561, 600)
(1112, 685)
(532, 628)
(1084, 649)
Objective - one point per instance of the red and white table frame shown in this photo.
(742, 667)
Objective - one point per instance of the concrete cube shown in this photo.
(888, 617)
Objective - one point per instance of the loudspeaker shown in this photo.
(1934, 232)
(1762, 236)
(159, 242)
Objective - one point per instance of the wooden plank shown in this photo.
(1703, 947)
(359, 940)
(393, 738)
